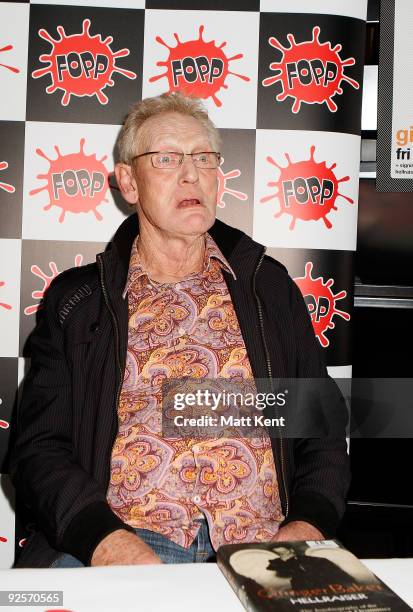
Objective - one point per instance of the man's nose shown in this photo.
(188, 170)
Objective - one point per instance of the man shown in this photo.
(307, 571)
(178, 293)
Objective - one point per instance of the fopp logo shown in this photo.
(11, 68)
(310, 72)
(306, 190)
(47, 279)
(75, 182)
(3, 424)
(81, 64)
(197, 68)
(6, 186)
(223, 178)
(321, 302)
(30, 528)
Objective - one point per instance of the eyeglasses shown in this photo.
(208, 160)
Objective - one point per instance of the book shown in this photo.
(305, 576)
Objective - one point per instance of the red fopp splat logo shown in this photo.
(6, 186)
(321, 302)
(81, 64)
(223, 178)
(75, 182)
(30, 528)
(2, 304)
(306, 190)
(310, 72)
(47, 279)
(197, 68)
(3, 424)
(11, 68)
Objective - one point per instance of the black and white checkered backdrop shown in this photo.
(281, 80)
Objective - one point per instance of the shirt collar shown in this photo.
(212, 251)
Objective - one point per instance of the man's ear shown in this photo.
(126, 183)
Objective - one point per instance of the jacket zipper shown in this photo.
(269, 371)
(116, 328)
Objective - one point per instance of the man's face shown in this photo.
(283, 552)
(180, 201)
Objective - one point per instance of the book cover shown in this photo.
(305, 576)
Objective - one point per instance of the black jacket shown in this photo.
(67, 421)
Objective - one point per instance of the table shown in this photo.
(159, 588)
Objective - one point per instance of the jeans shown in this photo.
(200, 551)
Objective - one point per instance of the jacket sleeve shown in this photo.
(68, 504)
(322, 474)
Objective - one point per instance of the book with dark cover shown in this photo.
(305, 576)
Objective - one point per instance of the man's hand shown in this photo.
(298, 530)
(122, 547)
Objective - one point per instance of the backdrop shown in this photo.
(283, 87)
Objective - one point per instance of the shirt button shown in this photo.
(197, 499)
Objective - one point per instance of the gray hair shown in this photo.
(130, 136)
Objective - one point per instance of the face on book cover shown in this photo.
(283, 552)
(178, 201)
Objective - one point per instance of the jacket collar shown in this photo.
(239, 249)
(138, 274)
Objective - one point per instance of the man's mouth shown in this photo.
(189, 202)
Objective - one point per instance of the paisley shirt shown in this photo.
(189, 329)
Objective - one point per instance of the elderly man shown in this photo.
(178, 293)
